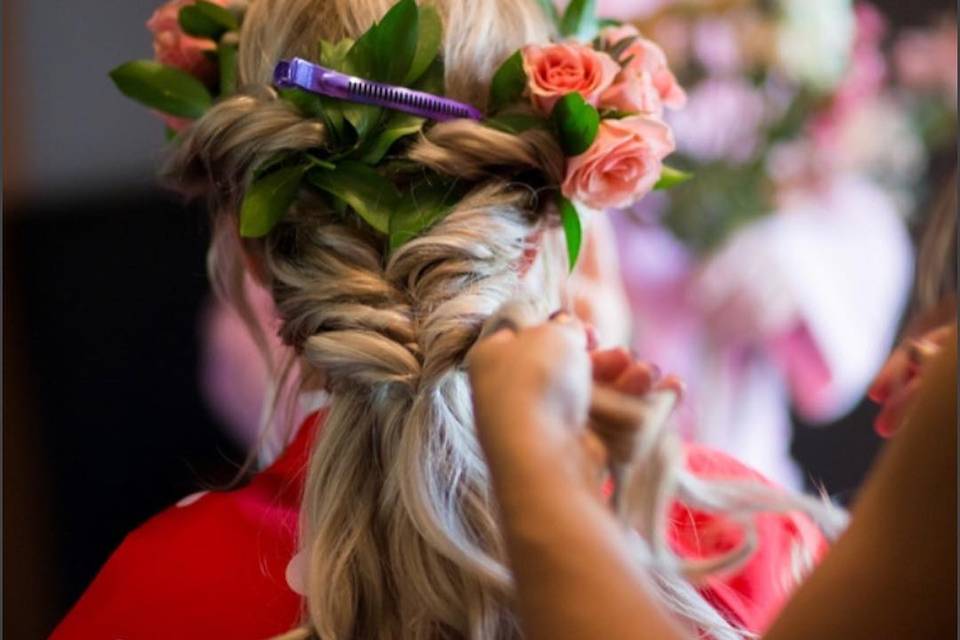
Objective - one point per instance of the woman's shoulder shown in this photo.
(787, 544)
(213, 565)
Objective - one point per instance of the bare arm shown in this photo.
(892, 574)
(573, 578)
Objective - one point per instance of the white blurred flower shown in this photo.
(815, 40)
(879, 140)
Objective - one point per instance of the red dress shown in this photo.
(214, 565)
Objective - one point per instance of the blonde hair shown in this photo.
(398, 525)
(937, 255)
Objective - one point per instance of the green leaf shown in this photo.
(605, 23)
(516, 123)
(550, 10)
(423, 206)
(615, 114)
(206, 20)
(508, 82)
(196, 23)
(218, 14)
(268, 199)
(335, 55)
(362, 117)
(432, 80)
(331, 110)
(621, 46)
(361, 60)
(314, 161)
(397, 126)
(162, 88)
(580, 20)
(670, 178)
(429, 37)
(396, 42)
(577, 122)
(269, 165)
(227, 52)
(570, 219)
(308, 104)
(368, 193)
(386, 51)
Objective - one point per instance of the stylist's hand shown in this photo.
(531, 388)
(532, 399)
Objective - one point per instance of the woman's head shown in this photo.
(398, 530)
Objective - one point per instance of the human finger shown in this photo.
(895, 408)
(637, 379)
(609, 364)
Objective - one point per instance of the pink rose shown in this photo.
(174, 123)
(633, 92)
(556, 70)
(646, 56)
(622, 165)
(171, 46)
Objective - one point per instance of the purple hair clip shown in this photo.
(300, 73)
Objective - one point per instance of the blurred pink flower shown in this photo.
(174, 123)
(556, 70)
(675, 37)
(715, 43)
(721, 121)
(622, 165)
(926, 60)
(628, 9)
(864, 78)
(171, 46)
(646, 56)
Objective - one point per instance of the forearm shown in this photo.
(893, 573)
(575, 576)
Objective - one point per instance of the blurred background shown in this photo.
(819, 131)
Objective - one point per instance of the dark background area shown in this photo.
(103, 281)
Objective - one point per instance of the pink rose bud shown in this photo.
(646, 56)
(171, 46)
(556, 70)
(622, 165)
(174, 123)
(633, 92)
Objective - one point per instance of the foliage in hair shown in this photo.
(163, 88)
(403, 48)
(572, 230)
(356, 168)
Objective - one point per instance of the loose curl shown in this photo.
(398, 525)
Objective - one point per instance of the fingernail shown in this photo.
(560, 316)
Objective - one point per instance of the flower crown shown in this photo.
(602, 101)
